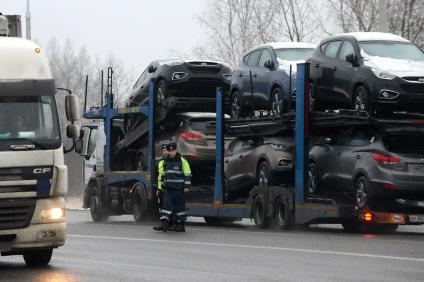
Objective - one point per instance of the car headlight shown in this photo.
(227, 76)
(383, 74)
(178, 75)
(54, 213)
(280, 147)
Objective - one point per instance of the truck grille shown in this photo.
(16, 213)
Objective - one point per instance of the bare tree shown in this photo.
(355, 15)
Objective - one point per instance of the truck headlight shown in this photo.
(54, 213)
(383, 74)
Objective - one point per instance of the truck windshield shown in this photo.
(29, 119)
(299, 54)
(393, 50)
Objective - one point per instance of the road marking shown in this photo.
(311, 251)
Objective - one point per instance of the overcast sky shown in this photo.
(137, 31)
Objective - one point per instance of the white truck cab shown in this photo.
(33, 175)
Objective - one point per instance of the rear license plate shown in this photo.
(416, 218)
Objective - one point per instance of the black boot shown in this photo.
(172, 227)
(162, 227)
(180, 227)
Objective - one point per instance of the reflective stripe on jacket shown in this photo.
(174, 173)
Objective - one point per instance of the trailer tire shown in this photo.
(140, 207)
(97, 209)
(259, 213)
(38, 258)
(283, 217)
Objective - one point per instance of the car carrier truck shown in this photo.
(33, 175)
(112, 190)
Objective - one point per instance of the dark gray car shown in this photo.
(257, 160)
(369, 163)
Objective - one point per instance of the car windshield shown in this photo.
(298, 54)
(29, 118)
(405, 144)
(393, 50)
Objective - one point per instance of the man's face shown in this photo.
(164, 153)
(172, 153)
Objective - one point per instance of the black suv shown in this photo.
(192, 84)
(369, 163)
(368, 71)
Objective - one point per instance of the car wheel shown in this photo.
(259, 213)
(361, 100)
(162, 92)
(277, 103)
(313, 180)
(264, 176)
(283, 218)
(38, 258)
(140, 163)
(362, 192)
(98, 212)
(236, 105)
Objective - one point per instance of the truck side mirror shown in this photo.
(79, 146)
(72, 131)
(72, 108)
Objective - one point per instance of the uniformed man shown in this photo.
(174, 180)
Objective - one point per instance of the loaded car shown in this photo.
(265, 78)
(192, 84)
(367, 71)
(257, 160)
(369, 163)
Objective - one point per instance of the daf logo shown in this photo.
(421, 79)
(41, 170)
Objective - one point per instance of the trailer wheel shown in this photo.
(38, 258)
(259, 213)
(98, 212)
(140, 203)
(283, 217)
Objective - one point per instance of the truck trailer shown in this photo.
(112, 191)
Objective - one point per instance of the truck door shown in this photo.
(90, 156)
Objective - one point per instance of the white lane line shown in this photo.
(211, 244)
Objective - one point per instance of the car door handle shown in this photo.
(226, 161)
(358, 157)
(255, 75)
(334, 68)
(241, 156)
(339, 154)
(241, 74)
(316, 65)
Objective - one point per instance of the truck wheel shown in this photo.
(283, 217)
(259, 213)
(139, 203)
(98, 212)
(38, 258)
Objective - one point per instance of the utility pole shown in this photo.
(28, 20)
(383, 25)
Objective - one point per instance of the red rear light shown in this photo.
(191, 136)
(191, 158)
(389, 186)
(386, 160)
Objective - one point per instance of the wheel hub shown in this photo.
(361, 195)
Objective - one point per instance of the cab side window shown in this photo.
(347, 49)
(332, 49)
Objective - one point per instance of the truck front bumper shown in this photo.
(39, 234)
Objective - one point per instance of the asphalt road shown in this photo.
(120, 250)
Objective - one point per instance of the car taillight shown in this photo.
(386, 160)
(194, 138)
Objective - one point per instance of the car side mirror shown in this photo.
(250, 142)
(151, 69)
(269, 64)
(353, 59)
